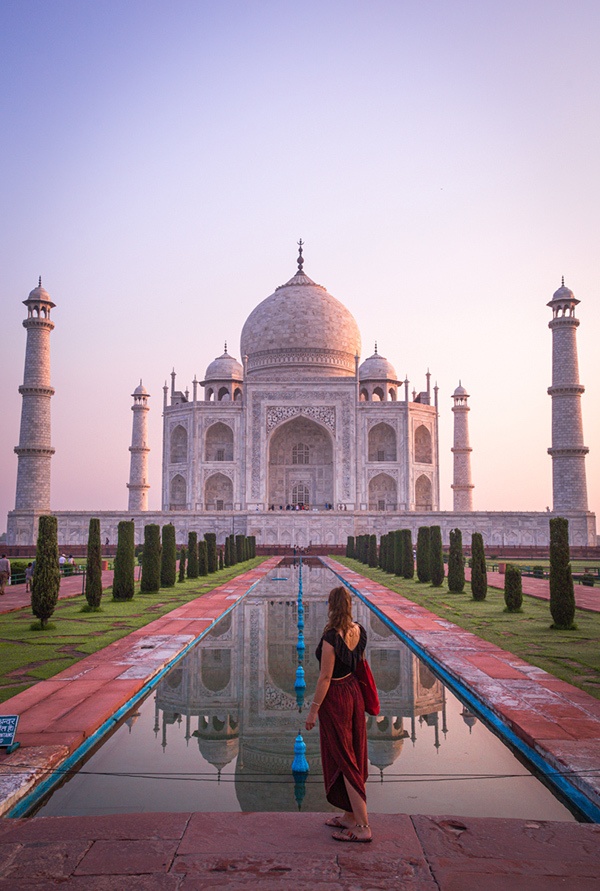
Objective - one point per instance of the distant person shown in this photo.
(4, 572)
(28, 577)
(62, 560)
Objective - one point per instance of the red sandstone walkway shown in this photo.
(268, 851)
(585, 598)
(16, 597)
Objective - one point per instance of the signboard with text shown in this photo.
(8, 728)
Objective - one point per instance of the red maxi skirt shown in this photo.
(343, 736)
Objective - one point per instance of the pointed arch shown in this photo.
(178, 493)
(423, 493)
(179, 445)
(219, 443)
(382, 443)
(383, 492)
(218, 492)
(423, 445)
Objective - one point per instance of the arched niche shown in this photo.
(378, 395)
(224, 395)
(300, 453)
(382, 443)
(178, 493)
(423, 447)
(383, 492)
(218, 492)
(219, 443)
(179, 445)
(364, 395)
(215, 669)
(423, 490)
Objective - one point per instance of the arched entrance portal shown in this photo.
(300, 465)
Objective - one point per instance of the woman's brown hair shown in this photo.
(340, 611)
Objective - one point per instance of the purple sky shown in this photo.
(161, 159)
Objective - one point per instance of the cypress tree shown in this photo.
(423, 570)
(182, 559)
(513, 589)
(407, 554)
(221, 558)
(168, 565)
(226, 555)
(478, 567)
(192, 555)
(350, 546)
(436, 557)
(456, 563)
(202, 557)
(239, 548)
(381, 552)
(372, 552)
(151, 559)
(93, 574)
(232, 550)
(211, 551)
(398, 553)
(252, 540)
(562, 596)
(123, 580)
(46, 575)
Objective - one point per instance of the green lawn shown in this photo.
(29, 656)
(573, 656)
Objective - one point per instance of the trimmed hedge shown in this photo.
(436, 557)
(212, 556)
(151, 559)
(478, 567)
(182, 562)
(93, 575)
(456, 563)
(423, 569)
(192, 567)
(168, 563)
(46, 576)
(513, 589)
(408, 562)
(123, 580)
(562, 595)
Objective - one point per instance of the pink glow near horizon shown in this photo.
(161, 161)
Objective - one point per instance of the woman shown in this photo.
(339, 704)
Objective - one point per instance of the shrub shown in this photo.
(479, 569)
(123, 580)
(151, 559)
(46, 576)
(251, 539)
(350, 546)
(456, 563)
(226, 555)
(93, 575)
(381, 558)
(192, 555)
(220, 558)
(423, 569)
(182, 561)
(408, 563)
(212, 557)
(202, 557)
(436, 557)
(168, 564)
(562, 595)
(538, 572)
(513, 589)
(232, 550)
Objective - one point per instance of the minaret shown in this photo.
(462, 485)
(569, 489)
(138, 470)
(34, 449)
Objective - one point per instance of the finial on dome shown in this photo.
(375, 347)
(40, 282)
(300, 259)
(562, 281)
(225, 347)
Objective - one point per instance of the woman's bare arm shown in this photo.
(327, 664)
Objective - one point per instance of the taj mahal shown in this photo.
(301, 443)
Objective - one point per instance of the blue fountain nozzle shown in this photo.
(300, 645)
(300, 764)
(300, 683)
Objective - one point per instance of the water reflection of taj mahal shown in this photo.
(234, 695)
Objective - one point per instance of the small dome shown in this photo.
(563, 295)
(140, 390)
(460, 391)
(377, 368)
(224, 368)
(39, 295)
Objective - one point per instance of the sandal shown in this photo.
(338, 823)
(347, 835)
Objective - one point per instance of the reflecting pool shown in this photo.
(218, 732)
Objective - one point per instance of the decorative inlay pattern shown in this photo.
(325, 414)
(276, 699)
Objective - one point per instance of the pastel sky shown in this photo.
(161, 159)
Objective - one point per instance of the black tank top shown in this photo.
(345, 660)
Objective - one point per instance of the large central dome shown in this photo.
(300, 331)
